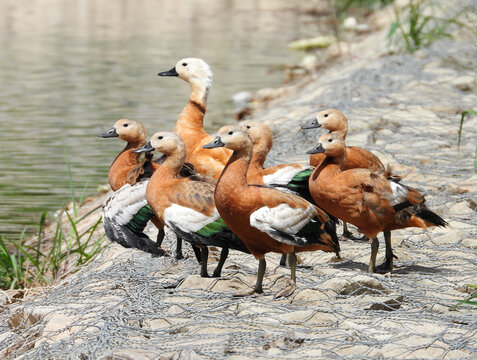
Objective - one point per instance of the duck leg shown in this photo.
(262, 265)
(290, 289)
(197, 253)
(160, 237)
(223, 256)
(348, 235)
(203, 263)
(283, 260)
(374, 252)
(387, 265)
(179, 255)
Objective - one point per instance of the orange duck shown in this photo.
(366, 199)
(287, 177)
(291, 176)
(266, 219)
(357, 157)
(186, 204)
(189, 125)
(129, 168)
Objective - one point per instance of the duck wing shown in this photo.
(294, 221)
(193, 216)
(126, 214)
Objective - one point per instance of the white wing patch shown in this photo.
(282, 218)
(187, 219)
(284, 175)
(125, 202)
(398, 194)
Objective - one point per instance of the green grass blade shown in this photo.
(462, 118)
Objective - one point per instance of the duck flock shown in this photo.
(216, 192)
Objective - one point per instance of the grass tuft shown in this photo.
(32, 262)
(468, 300)
(417, 28)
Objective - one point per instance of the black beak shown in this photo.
(145, 148)
(217, 142)
(311, 124)
(317, 149)
(171, 72)
(110, 133)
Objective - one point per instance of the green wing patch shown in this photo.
(213, 228)
(140, 220)
(300, 180)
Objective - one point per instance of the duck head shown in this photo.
(260, 133)
(165, 142)
(192, 70)
(330, 119)
(330, 144)
(233, 137)
(128, 130)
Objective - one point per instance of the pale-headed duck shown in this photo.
(189, 125)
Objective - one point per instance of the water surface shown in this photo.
(69, 69)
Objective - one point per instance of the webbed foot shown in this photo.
(290, 289)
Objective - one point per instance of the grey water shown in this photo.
(69, 69)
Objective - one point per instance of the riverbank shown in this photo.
(405, 108)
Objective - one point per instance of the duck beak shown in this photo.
(171, 72)
(110, 133)
(317, 149)
(147, 147)
(311, 124)
(217, 142)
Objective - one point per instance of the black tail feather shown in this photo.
(124, 236)
(427, 215)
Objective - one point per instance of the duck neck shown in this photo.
(259, 155)
(127, 156)
(199, 91)
(190, 124)
(172, 165)
(341, 132)
(235, 172)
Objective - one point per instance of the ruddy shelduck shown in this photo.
(129, 168)
(337, 123)
(288, 177)
(186, 204)
(189, 125)
(366, 199)
(266, 219)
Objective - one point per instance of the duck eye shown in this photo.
(326, 115)
(184, 64)
(125, 125)
(230, 132)
(161, 137)
(248, 126)
(330, 140)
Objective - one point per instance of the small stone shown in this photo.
(318, 42)
(350, 23)
(461, 208)
(389, 305)
(358, 285)
(309, 62)
(242, 99)
(439, 309)
(472, 243)
(363, 28)
(465, 83)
